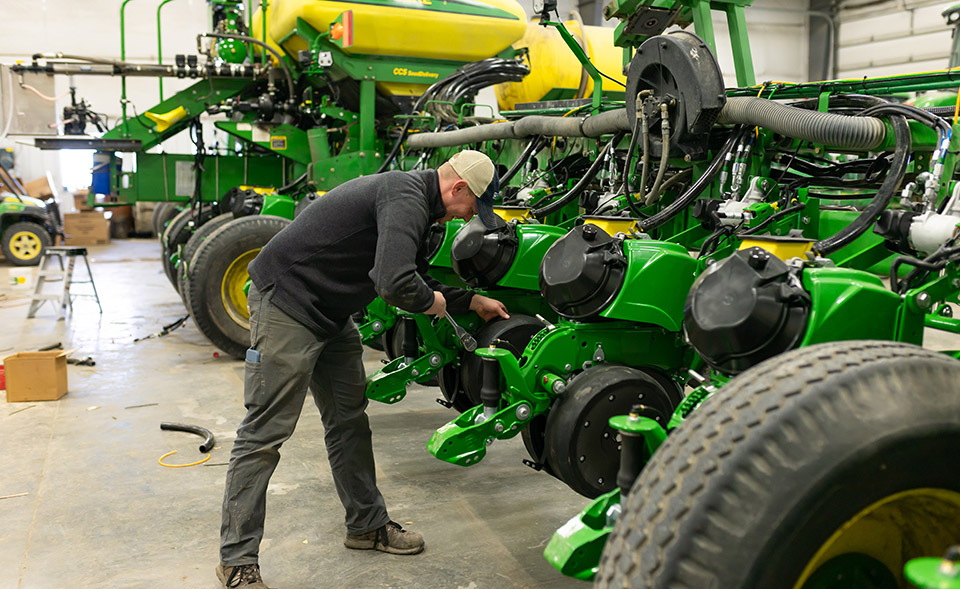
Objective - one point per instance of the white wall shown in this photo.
(92, 28)
(894, 37)
(779, 35)
(778, 32)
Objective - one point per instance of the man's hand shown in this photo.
(488, 308)
(439, 306)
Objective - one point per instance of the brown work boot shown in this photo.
(390, 538)
(246, 576)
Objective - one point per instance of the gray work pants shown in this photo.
(291, 358)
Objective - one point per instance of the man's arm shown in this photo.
(401, 222)
(458, 299)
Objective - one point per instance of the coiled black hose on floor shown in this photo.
(207, 435)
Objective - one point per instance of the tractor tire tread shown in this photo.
(703, 486)
(209, 252)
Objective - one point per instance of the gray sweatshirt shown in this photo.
(363, 239)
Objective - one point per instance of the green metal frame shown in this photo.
(683, 12)
(438, 347)
(155, 178)
(540, 375)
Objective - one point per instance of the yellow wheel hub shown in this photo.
(911, 524)
(231, 289)
(25, 245)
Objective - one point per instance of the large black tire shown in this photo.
(190, 248)
(513, 333)
(216, 274)
(582, 449)
(163, 213)
(764, 483)
(157, 211)
(176, 235)
(24, 243)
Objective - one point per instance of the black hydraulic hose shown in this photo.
(935, 261)
(628, 170)
(778, 215)
(528, 151)
(685, 199)
(896, 284)
(842, 101)
(898, 167)
(912, 112)
(464, 82)
(396, 147)
(300, 179)
(207, 435)
(580, 186)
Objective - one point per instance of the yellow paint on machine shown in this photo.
(401, 31)
(508, 214)
(555, 67)
(613, 225)
(784, 248)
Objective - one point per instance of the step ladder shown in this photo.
(65, 275)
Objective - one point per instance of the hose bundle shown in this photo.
(462, 84)
(466, 82)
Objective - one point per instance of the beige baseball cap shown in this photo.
(481, 176)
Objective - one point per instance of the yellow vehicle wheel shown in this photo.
(824, 468)
(233, 297)
(24, 243)
(217, 274)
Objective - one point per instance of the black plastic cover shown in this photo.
(246, 203)
(894, 227)
(744, 310)
(435, 235)
(482, 256)
(582, 272)
(678, 66)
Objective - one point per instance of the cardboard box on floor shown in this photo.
(36, 376)
(88, 228)
(38, 188)
(80, 200)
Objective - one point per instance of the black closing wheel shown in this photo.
(534, 440)
(391, 341)
(582, 449)
(217, 275)
(512, 334)
(176, 235)
(827, 466)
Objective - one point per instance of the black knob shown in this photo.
(758, 260)
(589, 232)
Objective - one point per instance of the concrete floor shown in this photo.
(100, 512)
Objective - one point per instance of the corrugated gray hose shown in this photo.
(593, 126)
(860, 133)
